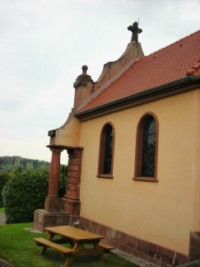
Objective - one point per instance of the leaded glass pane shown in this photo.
(149, 147)
(107, 166)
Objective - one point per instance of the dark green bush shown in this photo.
(26, 192)
(62, 182)
(4, 177)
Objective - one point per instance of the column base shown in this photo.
(43, 218)
(52, 204)
(71, 206)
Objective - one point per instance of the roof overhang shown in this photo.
(176, 87)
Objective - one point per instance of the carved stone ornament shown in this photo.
(83, 78)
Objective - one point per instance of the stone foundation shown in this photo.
(43, 218)
(52, 204)
(71, 206)
(151, 252)
(194, 245)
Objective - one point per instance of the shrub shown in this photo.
(4, 177)
(25, 193)
(62, 182)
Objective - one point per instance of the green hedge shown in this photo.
(26, 192)
(4, 177)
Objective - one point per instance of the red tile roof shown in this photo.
(169, 64)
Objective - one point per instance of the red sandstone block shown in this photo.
(73, 187)
(152, 250)
(195, 253)
(182, 259)
(73, 211)
(73, 194)
(74, 168)
(142, 246)
(69, 209)
(130, 241)
(73, 174)
(75, 161)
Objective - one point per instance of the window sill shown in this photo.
(145, 179)
(105, 176)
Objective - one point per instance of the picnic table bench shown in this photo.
(81, 242)
(45, 243)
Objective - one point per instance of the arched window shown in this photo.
(106, 151)
(146, 149)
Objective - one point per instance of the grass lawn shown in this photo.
(18, 247)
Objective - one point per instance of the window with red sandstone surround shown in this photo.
(106, 150)
(146, 149)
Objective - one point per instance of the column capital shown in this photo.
(57, 149)
(75, 152)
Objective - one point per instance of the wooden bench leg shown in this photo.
(99, 251)
(43, 250)
(69, 261)
(101, 257)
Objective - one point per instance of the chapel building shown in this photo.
(134, 154)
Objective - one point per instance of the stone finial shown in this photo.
(83, 78)
(135, 31)
(84, 69)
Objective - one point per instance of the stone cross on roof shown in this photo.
(135, 31)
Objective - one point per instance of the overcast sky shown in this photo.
(44, 43)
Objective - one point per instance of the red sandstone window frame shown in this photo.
(139, 149)
(101, 173)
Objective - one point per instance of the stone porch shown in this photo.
(66, 210)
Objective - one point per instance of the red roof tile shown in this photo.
(169, 64)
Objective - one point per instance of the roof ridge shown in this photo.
(165, 47)
(172, 64)
(169, 45)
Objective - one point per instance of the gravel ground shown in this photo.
(4, 263)
(191, 264)
(138, 261)
(2, 218)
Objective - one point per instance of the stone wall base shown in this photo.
(71, 206)
(52, 204)
(140, 248)
(43, 218)
(195, 245)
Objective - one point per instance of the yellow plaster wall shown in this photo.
(68, 134)
(163, 212)
(196, 226)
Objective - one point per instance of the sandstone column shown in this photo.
(71, 200)
(52, 202)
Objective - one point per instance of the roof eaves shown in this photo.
(171, 88)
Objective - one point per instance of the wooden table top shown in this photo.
(73, 233)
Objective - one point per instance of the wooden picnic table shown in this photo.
(82, 243)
